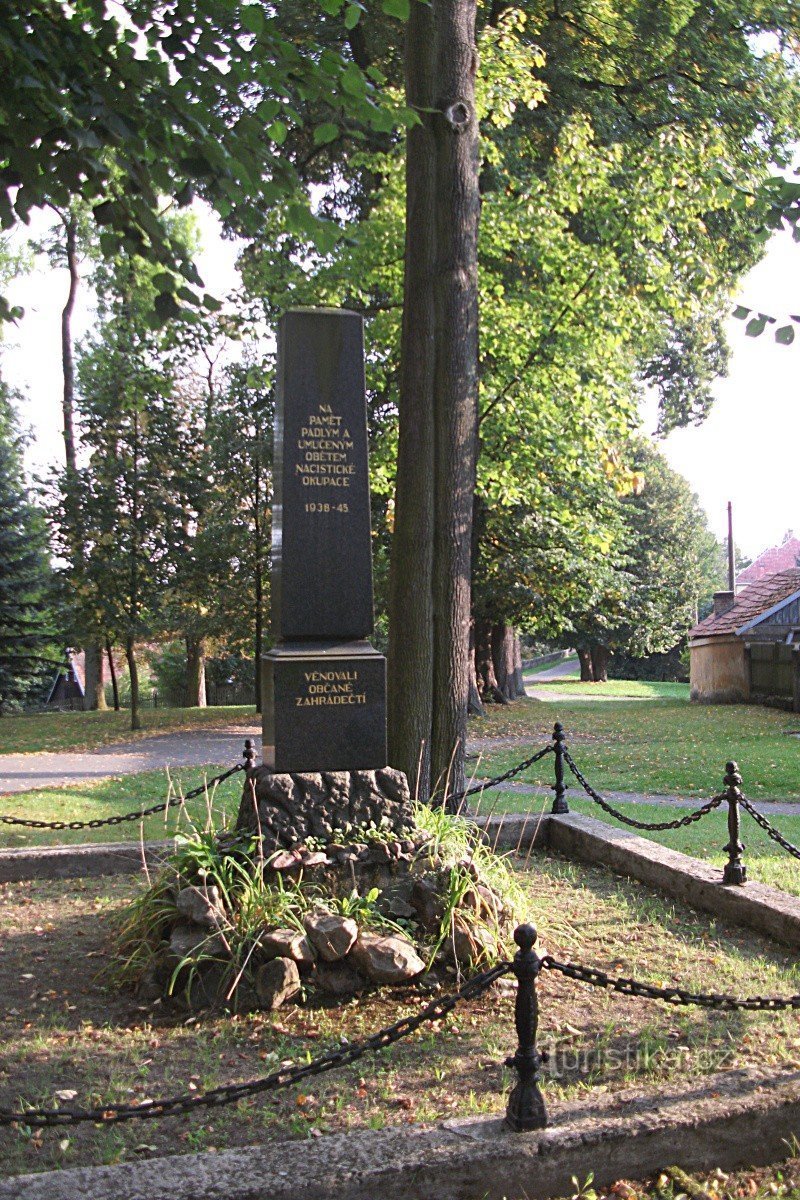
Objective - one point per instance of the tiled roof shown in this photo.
(755, 599)
(777, 558)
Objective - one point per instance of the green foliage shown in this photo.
(123, 105)
(664, 564)
(29, 650)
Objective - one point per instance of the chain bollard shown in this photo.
(249, 756)
(560, 802)
(526, 1108)
(735, 872)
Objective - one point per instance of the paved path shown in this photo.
(567, 666)
(191, 748)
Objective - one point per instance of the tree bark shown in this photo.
(503, 659)
(430, 574)
(67, 361)
(133, 672)
(600, 656)
(94, 693)
(474, 704)
(94, 696)
(587, 670)
(196, 672)
(260, 567)
(519, 682)
(488, 684)
(113, 674)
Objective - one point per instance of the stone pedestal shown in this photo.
(324, 707)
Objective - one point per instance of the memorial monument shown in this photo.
(324, 769)
(323, 811)
(324, 685)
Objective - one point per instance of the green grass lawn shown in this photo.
(663, 746)
(65, 1027)
(764, 859)
(106, 797)
(641, 689)
(34, 732)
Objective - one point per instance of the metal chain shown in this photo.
(672, 995)
(231, 1093)
(679, 823)
(140, 814)
(498, 779)
(769, 829)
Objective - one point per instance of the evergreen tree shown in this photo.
(27, 652)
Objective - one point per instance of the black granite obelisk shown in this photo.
(324, 688)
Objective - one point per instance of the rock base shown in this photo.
(362, 898)
(287, 811)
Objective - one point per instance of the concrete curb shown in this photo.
(755, 905)
(80, 862)
(732, 1119)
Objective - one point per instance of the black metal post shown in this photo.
(560, 802)
(249, 757)
(526, 1108)
(735, 872)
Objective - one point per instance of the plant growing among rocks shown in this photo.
(226, 924)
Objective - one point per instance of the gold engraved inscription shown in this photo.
(329, 688)
(324, 451)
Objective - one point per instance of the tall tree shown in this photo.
(28, 642)
(124, 104)
(133, 433)
(66, 246)
(665, 563)
(429, 604)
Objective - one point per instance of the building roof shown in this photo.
(776, 559)
(754, 601)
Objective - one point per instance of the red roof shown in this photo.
(777, 558)
(753, 600)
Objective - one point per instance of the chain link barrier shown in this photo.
(457, 797)
(139, 815)
(654, 826)
(109, 1114)
(769, 829)
(672, 995)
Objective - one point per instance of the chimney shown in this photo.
(723, 602)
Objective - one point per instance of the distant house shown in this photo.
(772, 561)
(68, 688)
(748, 649)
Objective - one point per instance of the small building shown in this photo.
(748, 649)
(67, 688)
(772, 561)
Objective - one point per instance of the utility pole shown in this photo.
(731, 556)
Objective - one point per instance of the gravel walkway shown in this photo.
(194, 748)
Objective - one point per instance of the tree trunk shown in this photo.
(519, 682)
(600, 656)
(133, 671)
(503, 659)
(474, 704)
(429, 602)
(113, 674)
(484, 664)
(94, 695)
(258, 535)
(587, 670)
(196, 672)
(67, 361)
